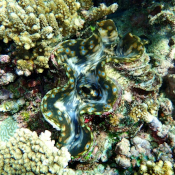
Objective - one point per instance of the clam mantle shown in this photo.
(88, 90)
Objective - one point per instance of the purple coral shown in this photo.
(5, 94)
(4, 59)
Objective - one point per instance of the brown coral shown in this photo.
(42, 24)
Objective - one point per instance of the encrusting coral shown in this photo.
(26, 153)
(141, 112)
(42, 24)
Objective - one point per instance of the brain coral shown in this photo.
(7, 128)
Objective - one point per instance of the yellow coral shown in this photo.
(115, 119)
(24, 67)
(158, 168)
(25, 64)
(139, 112)
(43, 19)
(41, 62)
(42, 24)
(26, 153)
(86, 4)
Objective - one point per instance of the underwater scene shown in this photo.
(87, 87)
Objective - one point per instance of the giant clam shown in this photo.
(88, 90)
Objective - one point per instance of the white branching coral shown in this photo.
(28, 153)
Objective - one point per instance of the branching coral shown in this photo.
(158, 168)
(41, 25)
(37, 19)
(26, 153)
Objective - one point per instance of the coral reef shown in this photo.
(36, 26)
(28, 153)
(42, 42)
(141, 112)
